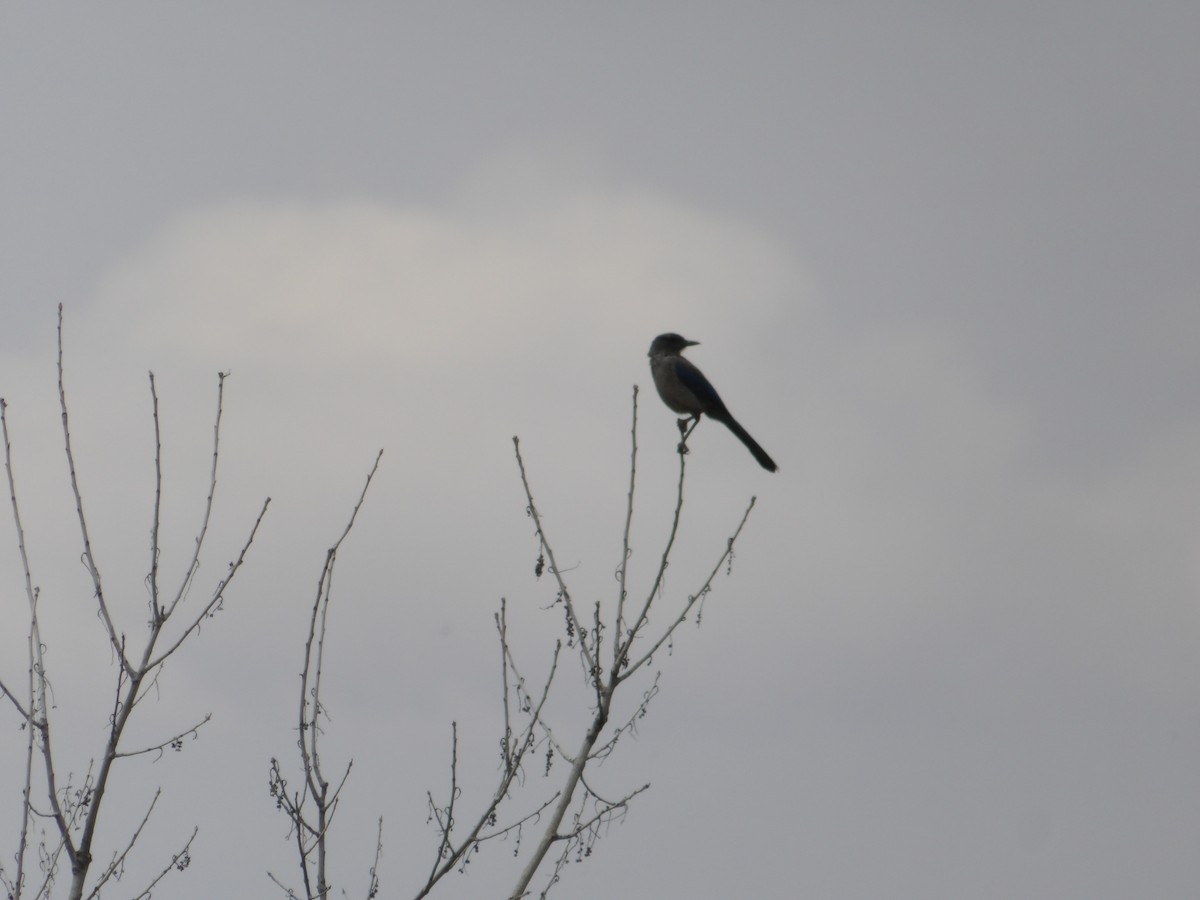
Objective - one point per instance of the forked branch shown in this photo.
(592, 811)
(311, 809)
(76, 811)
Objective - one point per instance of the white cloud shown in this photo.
(313, 284)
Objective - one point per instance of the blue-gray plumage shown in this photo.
(684, 389)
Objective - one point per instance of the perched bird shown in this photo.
(684, 389)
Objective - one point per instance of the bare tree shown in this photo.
(615, 644)
(75, 809)
(571, 818)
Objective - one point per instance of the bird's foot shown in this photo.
(683, 449)
(683, 425)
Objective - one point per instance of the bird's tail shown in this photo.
(759, 453)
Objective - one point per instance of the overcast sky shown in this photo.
(942, 260)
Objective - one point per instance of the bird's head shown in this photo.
(670, 344)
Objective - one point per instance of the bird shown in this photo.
(684, 389)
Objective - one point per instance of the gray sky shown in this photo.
(942, 259)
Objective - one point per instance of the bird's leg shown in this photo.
(686, 431)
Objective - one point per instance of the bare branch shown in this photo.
(89, 560)
(33, 656)
(156, 612)
(133, 680)
(118, 861)
(692, 600)
(312, 664)
(373, 883)
(75, 810)
(626, 642)
(179, 862)
(291, 895)
(606, 811)
(311, 835)
(175, 742)
(591, 811)
(24, 713)
(218, 594)
(26, 789)
(451, 854)
(630, 724)
(502, 629)
(37, 714)
(622, 570)
(586, 651)
(445, 817)
(551, 835)
(49, 866)
(194, 566)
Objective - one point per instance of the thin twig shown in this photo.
(518, 824)
(156, 612)
(625, 553)
(311, 836)
(89, 560)
(34, 655)
(179, 861)
(38, 714)
(585, 649)
(630, 723)
(118, 861)
(445, 817)
(691, 601)
(24, 713)
(627, 640)
(502, 630)
(218, 594)
(292, 895)
(608, 809)
(194, 565)
(162, 745)
(449, 854)
(373, 883)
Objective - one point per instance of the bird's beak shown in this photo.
(690, 343)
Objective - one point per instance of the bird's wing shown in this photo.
(693, 379)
